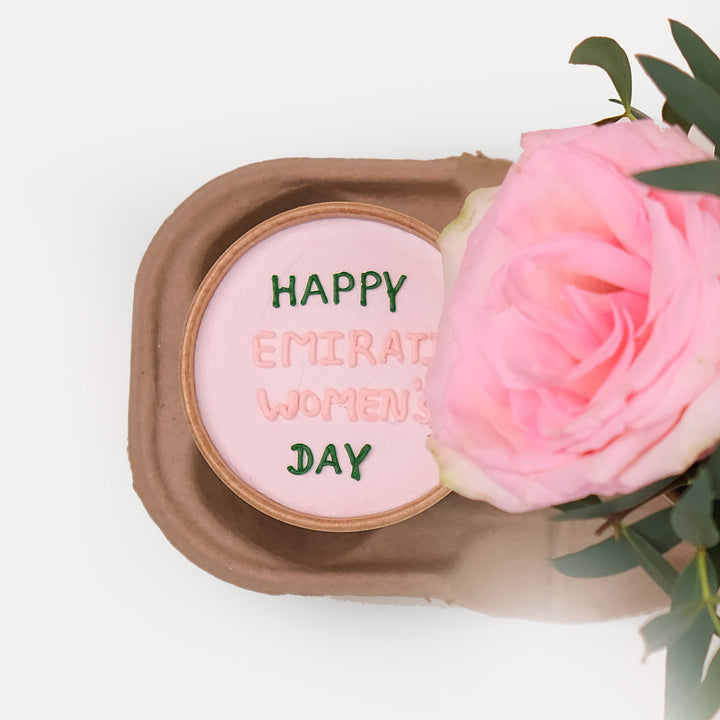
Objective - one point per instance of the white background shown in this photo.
(113, 114)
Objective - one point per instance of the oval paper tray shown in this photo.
(457, 552)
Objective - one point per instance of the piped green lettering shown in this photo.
(337, 288)
(364, 286)
(314, 287)
(304, 459)
(329, 459)
(290, 290)
(393, 290)
(355, 460)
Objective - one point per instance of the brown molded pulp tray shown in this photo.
(458, 552)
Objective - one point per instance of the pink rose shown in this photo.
(579, 350)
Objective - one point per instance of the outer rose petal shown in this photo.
(579, 348)
(453, 239)
(466, 478)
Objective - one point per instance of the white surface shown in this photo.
(112, 115)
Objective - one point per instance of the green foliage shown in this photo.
(714, 552)
(690, 101)
(693, 177)
(687, 628)
(637, 114)
(609, 120)
(703, 62)
(713, 467)
(667, 629)
(692, 518)
(686, 655)
(692, 98)
(673, 117)
(616, 505)
(703, 700)
(605, 53)
(651, 560)
(616, 555)
(576, 504)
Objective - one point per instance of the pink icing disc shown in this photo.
(309, 362)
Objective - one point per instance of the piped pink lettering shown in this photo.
(415, 339)
(360, 342)
(368, 404)
(346, 399)
(422, 417)
(331, 336)
(309, 403)
(272, 412)
(309, 338)
(391, 347)
(259, 349)
(395, 403)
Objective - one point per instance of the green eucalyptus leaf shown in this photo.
(616, 505)
(713, 553)
(605, 53)
(574, 504)
(651, 561)
(713, 467)
(698, 103)
(667, 629)
(613, 556)
(712, 574)
(688, 588)
(656, 529)
(692, 518)
(609, 557)
(703, 62)
(693, 177)
(703, 701)
(637, 114)
(672, 117)
(608, 120)
(686, 656)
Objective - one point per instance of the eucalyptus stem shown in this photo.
(708, 596)
(615, 520)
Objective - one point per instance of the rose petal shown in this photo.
(581, 341)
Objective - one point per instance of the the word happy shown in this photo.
(341, 285)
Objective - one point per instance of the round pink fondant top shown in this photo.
(310, 362)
